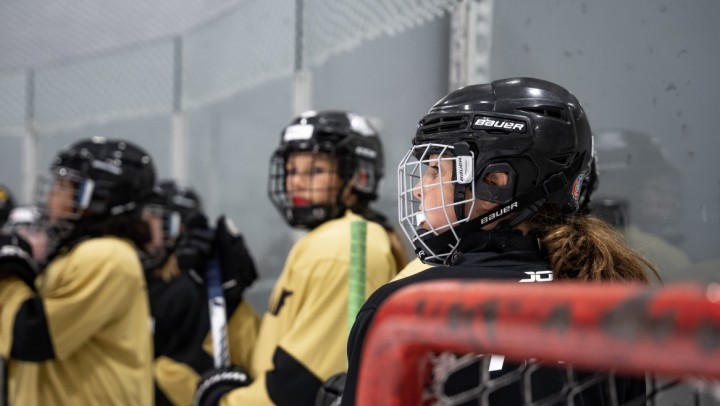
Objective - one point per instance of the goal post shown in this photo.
(672, 332)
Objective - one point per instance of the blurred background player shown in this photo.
(7, 203)
(79, 332)
(178, 297)
(323, 177)
(640, 193)
(489, 190)
(27, 222)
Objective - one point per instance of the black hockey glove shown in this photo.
(16, 259)
(195, 247)
(330, 394)
(217, 382)
(236, 264)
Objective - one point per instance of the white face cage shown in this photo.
(165, 223)
(426, 204)
(61, 197)
(63, 194)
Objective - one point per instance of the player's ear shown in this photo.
(497, 179)
(360, 179)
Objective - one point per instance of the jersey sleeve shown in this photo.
(91, 292)
(13, 293)
(354, 352)
(312, 347)
(176, 381)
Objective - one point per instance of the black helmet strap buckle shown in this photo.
(462, 174)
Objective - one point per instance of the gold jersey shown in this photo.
(303, 335)
(84, 337)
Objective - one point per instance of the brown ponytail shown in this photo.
(588, 249)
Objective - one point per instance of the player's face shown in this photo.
(311, 179)
(61, 200)
(153, 217)
(435, 192)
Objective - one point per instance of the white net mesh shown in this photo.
(137, 82)
(333, 26)
(12, 105)
(251, 45)
(246, 44)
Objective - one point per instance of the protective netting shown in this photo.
(132, 83)
(239, 48)
(12, 105)
(477, 380)
(333, 26)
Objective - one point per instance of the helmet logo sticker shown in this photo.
(85, 194)
(499, 213)
(576, 187)
(492, 123)
(107, 167)
(365, 152)
(464, 166)
(298, 132)
(360, 124)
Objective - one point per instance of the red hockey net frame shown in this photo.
(672, 332)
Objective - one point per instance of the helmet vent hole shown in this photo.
(562, 159)
(444, 124)
(547, 111)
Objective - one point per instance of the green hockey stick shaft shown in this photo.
(356, 289)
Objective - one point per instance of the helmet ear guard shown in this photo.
(500, 194)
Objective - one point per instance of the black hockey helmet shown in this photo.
(166, 211)
(182, 199)
(348, 137)
(534, 130)
(107, 177)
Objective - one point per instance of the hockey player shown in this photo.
(489, 190)
(78, 334)
(178, 295)
(322, 178)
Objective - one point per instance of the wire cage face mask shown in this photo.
(165, 226)
(62, 196)
(434, 198)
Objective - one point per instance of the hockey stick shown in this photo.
(218, 316)
(356, 288)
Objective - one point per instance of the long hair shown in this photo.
(585, 248)
(127, 226)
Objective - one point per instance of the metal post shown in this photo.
(178, 141)
(30, 147)
(302, 78)
(471, 42)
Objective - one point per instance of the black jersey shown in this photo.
(182, 337)
(522, 265)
